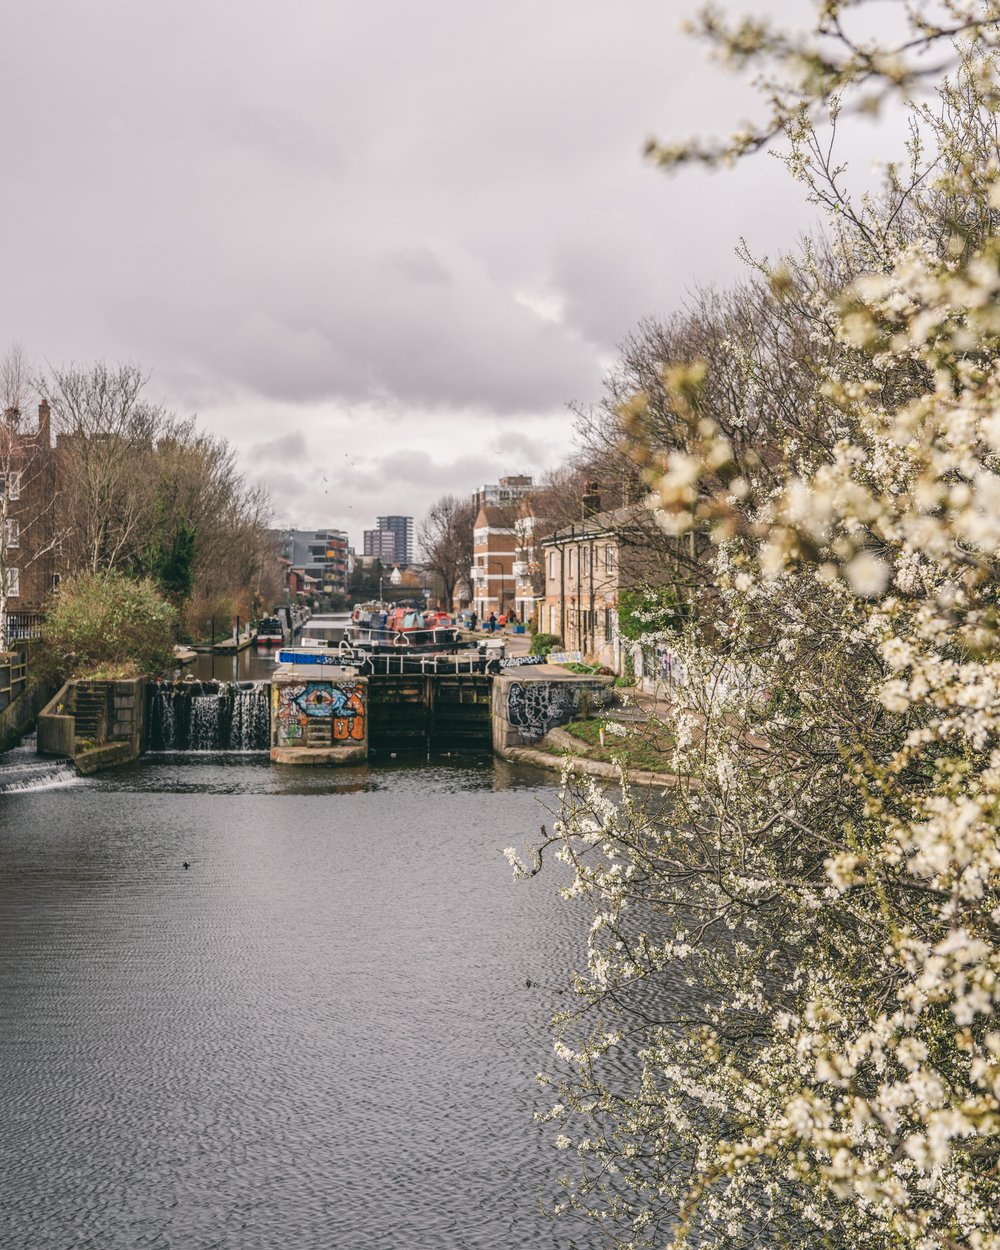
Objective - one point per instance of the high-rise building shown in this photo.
(381, 543)
(402, 529)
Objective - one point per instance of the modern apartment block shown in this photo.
(381, 543)
(402, 530)
(321, 554)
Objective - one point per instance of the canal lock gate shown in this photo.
(411, 713)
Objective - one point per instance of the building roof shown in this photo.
(614, 522)
(492, 516)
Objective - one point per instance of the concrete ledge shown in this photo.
(56, 729)
(319, 755)
(96, 758)
(590, 768)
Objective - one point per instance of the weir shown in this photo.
(209, 716)
(22, 770)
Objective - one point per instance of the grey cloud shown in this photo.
(284, 450)
(286, 219)
(519, 446)
(421, 265)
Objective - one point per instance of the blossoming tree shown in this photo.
(787, 1029)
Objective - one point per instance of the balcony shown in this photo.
(520, 568)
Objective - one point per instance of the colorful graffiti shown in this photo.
(336, 707)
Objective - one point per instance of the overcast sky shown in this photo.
(380, 245)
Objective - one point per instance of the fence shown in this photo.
(13, 675)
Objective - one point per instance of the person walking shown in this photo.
(492, 623)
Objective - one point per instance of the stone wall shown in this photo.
(128, 714)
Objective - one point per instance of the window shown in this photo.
(609, 623)
(572, 553)
(586, 560)
(56, 579)
(10, 484)
(609, 559)
(13, 532)
(552, 564)
(13, 583)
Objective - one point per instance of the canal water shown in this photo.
(323, 1033)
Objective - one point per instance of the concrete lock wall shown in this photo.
(322, 720)
(111, 715)
(526, 708)
(56, 726)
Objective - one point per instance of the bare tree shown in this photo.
(107, 433)
(446, 541)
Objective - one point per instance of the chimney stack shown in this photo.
(591, 499)
(44, 424)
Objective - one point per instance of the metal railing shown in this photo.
(24, 625)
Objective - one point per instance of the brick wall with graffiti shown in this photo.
(318, 713)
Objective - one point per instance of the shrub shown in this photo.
(651, 609)
(542, 644)
(110, 624)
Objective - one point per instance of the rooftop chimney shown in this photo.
(44, 424)
(591, 500)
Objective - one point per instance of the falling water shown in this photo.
(21, 769)
(209, 716)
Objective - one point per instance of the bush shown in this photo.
(542, 644)
(110, 625)
(651, 609)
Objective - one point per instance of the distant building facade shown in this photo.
(586, 566)
(494, 552)
(29, 512)
(381, 543)
(401, 528)
(503, 494)
(319, 558)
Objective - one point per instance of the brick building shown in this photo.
(494, 551)
(29, 516)
(586, 566)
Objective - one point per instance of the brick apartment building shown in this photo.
(28, 508)
(494, 550)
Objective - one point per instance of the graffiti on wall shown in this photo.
(533, 708)
(341, 704)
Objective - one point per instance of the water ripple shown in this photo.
(318, 1036)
